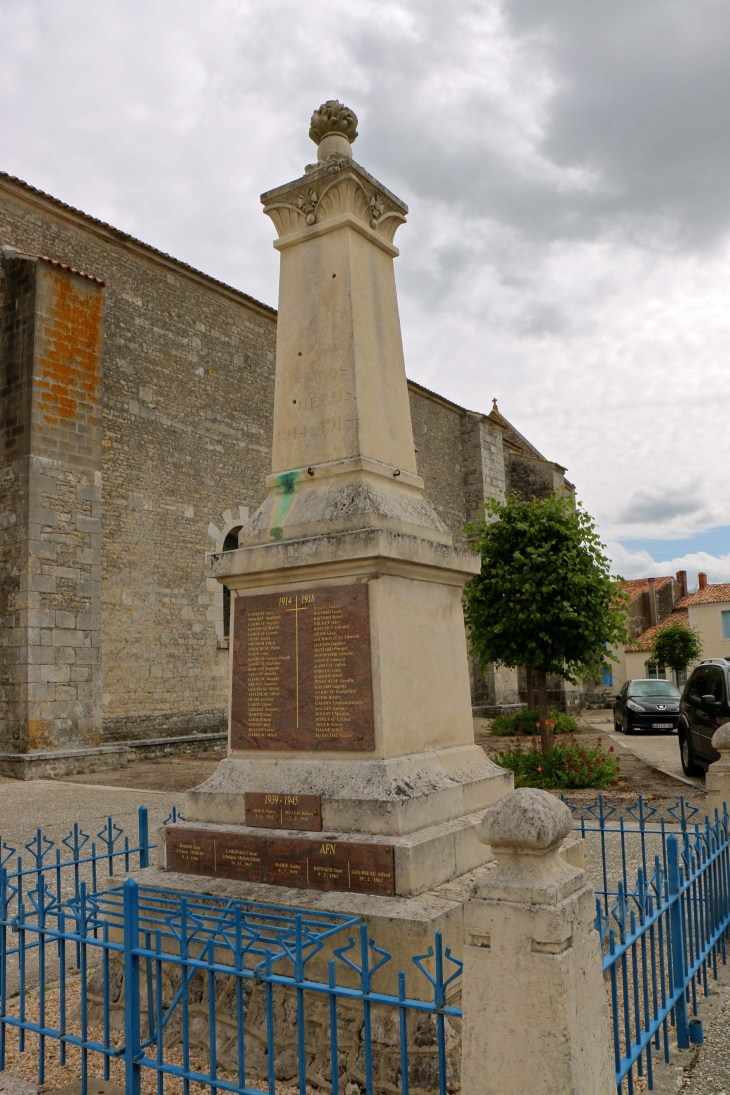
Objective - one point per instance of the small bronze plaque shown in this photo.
(283, 861)
(302, 676)
(284, 811)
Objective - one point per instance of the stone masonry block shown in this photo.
(63, 637)
(65, 620)
(56, 674)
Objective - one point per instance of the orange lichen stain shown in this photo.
(39, 734)
(69, 372)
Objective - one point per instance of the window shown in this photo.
(725, 620)
(229, 544)
(607, 677)
(654, 673)
(698, 684)
(646, 688)
(714, 684)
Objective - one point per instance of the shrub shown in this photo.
(563, 764)
(527, 722)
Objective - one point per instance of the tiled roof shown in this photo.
(636, 586)
(710, 595)
(643, 642)
(10, 251)
(117, 233)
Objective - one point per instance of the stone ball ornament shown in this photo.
(527, 820)
(333, 117)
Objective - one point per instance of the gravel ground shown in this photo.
(55, 804)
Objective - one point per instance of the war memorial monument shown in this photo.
(352, 778)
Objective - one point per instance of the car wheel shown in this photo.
(689, 767)
(626, 725)
(618, 728)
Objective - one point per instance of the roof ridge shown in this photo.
(120, 234)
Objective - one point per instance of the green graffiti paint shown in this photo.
(285, 487)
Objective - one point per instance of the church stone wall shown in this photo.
(188, 368)
(437, 436)
(52, 333)
(185, 446)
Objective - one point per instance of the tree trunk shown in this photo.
(542, 706)
(530, 688)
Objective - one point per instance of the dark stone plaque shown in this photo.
(308, 864)
(284, 811)
(302, 677)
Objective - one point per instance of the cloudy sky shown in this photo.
(567, 168)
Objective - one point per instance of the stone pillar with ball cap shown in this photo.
(529, 925)
(352, 766)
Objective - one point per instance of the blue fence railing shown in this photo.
(663, 936)
(61, 865)
(238, 996)
(227, 994)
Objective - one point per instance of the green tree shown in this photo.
(676, 646)
(545, 597)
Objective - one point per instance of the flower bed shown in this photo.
(564, 763)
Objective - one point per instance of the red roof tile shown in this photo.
(643, 642)
(636, 586)
(710, 595)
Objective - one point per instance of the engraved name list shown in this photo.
(301, 671)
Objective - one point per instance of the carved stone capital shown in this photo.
(327, 193)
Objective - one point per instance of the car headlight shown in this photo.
(634, 706)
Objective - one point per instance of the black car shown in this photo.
(703, 708)
(646, 705)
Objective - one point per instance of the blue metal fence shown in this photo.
(206, 987)
(218, 992)
(62, 864)
(663, 936)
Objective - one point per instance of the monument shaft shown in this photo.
(349, 678)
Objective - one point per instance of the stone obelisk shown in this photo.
(352, 766)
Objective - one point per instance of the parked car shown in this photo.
(646, 705)
(704, 706)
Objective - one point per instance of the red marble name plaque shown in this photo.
(302, 675)
(283, 861)
(284, 811)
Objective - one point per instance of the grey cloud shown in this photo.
(644, 101)
(647, 507)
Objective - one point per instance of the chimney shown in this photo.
(653, 616)
(702, 578)
(682, 579)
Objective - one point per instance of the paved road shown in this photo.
(54, 805)
(658, 749)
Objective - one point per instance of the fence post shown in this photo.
(717, 781)
(131, 988)
(144, 837)
(679, 970)
(535, 1015)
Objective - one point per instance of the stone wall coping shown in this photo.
(60, 754)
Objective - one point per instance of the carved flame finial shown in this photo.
(333, 129)
(333, 117)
